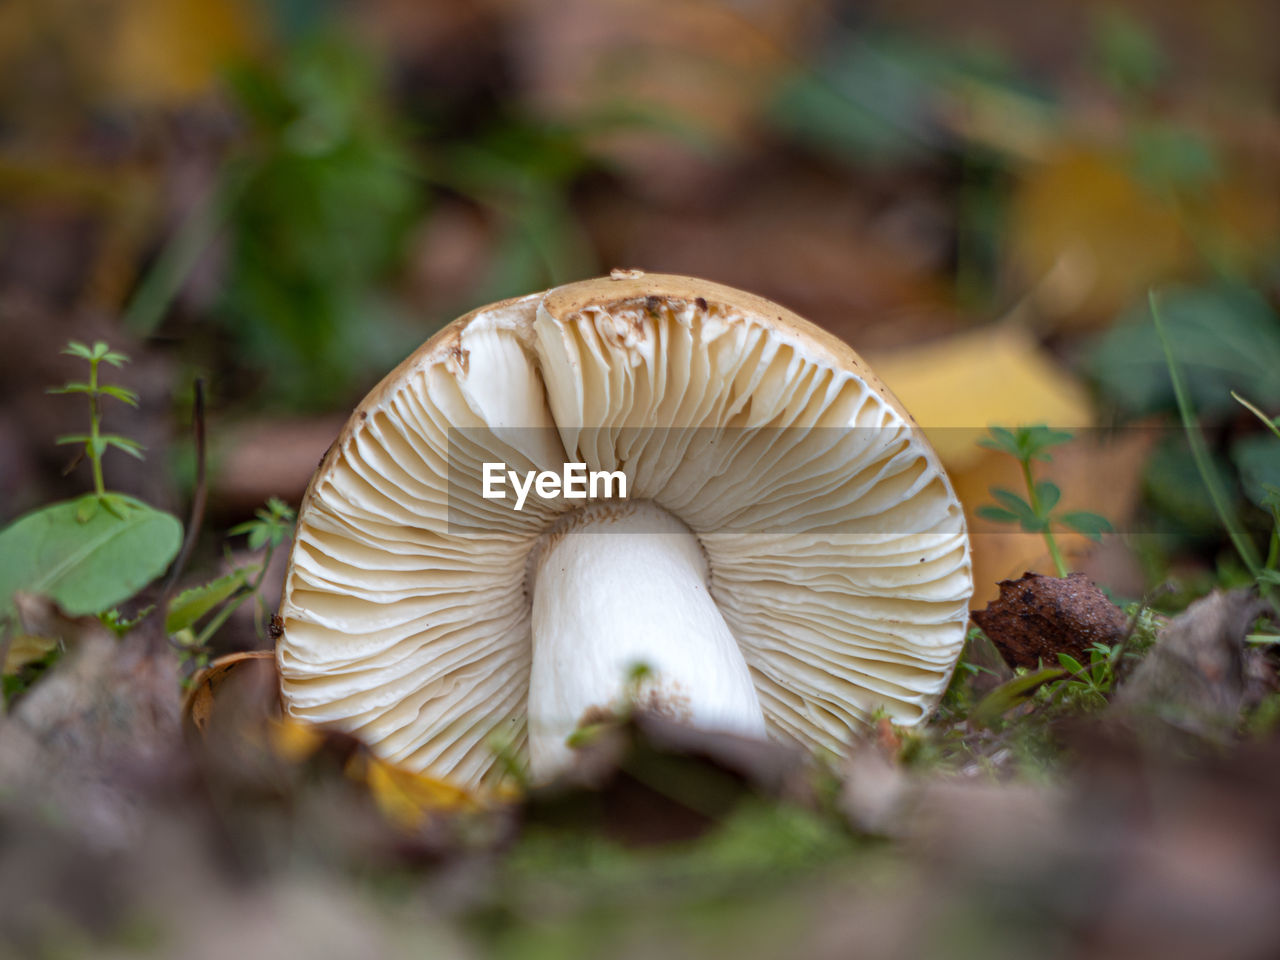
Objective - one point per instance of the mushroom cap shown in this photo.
(836, 547)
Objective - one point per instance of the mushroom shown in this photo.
(789, 559)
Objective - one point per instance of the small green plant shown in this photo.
(215, 601)
(1036, 513)
(1265, 574)
(95, 552)
(95, 442)
(1087, 687)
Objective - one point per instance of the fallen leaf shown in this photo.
(237, 696)
(96, 729)
(1038, 617)
(1083, 217)
(163, 52)
(406, 798)
(1193, 680)
(202, 694)
(26, 649)
(957, 387)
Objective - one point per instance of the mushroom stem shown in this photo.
(617, 586)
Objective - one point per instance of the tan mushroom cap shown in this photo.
(837, 550)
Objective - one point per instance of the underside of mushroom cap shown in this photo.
(836, 548)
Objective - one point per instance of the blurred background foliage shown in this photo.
(287, 197)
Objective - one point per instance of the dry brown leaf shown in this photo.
(202, 694)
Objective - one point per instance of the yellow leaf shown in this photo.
(408, 798)
(294, 740)
(997, 375)
(1082, 219)
(170, 51)
(25, 649)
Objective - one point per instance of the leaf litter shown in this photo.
(659, 839)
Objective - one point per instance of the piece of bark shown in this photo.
(1037, 617)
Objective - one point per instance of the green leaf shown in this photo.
(131, 447)
(190, 605)
(120, 393)
(1025, 443)
(1169, 158)
(1048, 493)
(75, 348)
(86, 509)
(1071, 663)
(73, 438)
(273, 525)
(1258, 460)
(86, 567)
(997, 514)
(120, 624)
(74, 386)
(115, 358)
(1002, 440)
(1270, 499)
(1010, 694)
(1036, 441)
(1224, 337)
(1092, 525)
(1027, 517)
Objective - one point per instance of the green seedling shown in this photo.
(95, 443)
(1036, 512)
(214, 602)
(97, 551)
